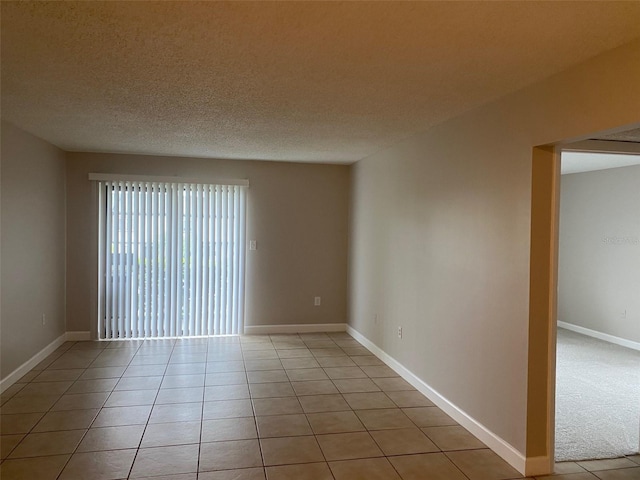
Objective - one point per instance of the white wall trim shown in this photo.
(302, 328)
(623, 342)
(509, 453)
(23, 369)
(77, 336)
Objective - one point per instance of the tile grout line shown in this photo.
(253, 409)
(100, 410)
(251, 398)
(201, 409)
(144, 431)
(50, 408)
(43, 413)
(92, 421)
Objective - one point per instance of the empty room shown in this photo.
(294, 240)
(598, 360)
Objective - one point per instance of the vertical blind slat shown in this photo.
(122, 291)
(242, 242)
(229, 280)
(140, 249)
(166, 279)
(158, 260)
(186, 270)
(115, 257)
(223, 262)
(126, 245)
(103, 220)
(107, 261)
(235, 256)
(213, 329)
(175, 297)
(206, 326)
(142, 263)
(193, 263)
(199, 267)
(217, 270)
(153, 259)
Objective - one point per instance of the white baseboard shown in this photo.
(509, 453)
(303, 328)
(77, 336)
(623, 342)
(23, 369)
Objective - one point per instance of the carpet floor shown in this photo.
(597, 398)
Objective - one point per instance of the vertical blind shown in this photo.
(171, 259)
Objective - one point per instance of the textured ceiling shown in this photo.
(312, 81)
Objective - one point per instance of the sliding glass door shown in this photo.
(171, 259)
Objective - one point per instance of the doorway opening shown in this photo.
(597, 400)
(543, 291)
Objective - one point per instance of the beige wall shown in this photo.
(298, 213)
(440, 241)
(599, 268)
(32, 246)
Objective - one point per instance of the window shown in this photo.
(171, 258)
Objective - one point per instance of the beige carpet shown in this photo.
(597, 398)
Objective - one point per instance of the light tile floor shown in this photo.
(279, 407)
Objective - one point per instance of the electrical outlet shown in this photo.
(44, 319)
(399, 332)
(316, 301)
(623, 314)
(253, 245)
